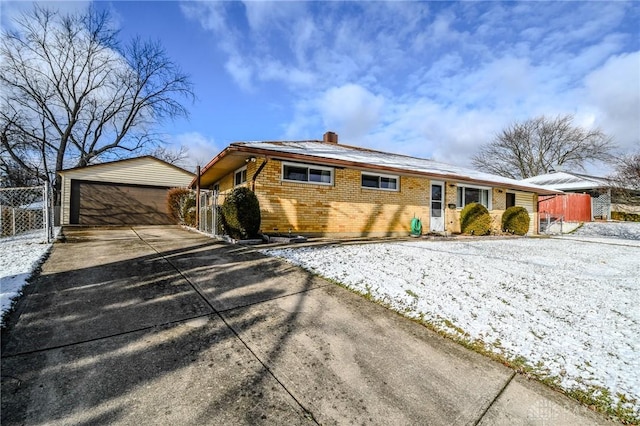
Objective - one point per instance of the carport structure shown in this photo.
(125, 192)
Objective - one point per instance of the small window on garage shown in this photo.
(511, 199)
(240, 176)
(377, 181)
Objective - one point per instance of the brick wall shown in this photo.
(343, 208)
(347, 209)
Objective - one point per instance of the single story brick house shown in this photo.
(323, 188)
(132, 191)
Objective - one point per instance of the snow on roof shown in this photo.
(565, 181)
(365, 157)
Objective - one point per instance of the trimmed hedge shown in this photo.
(475, 219)
(181, 204)
(241, 214)
(628, 217)
(515, 220)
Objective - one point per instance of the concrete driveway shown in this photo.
(157, 325)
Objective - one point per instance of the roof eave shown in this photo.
(269, 153)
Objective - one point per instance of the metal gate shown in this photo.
(26, 210)
(209, 213)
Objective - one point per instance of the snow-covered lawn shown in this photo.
(19, 257)
(568, 308)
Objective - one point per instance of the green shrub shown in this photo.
(629, 217)
(515, 220)
(241, 214)
(475, 219)
(181, 205)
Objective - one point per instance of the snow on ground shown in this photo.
(19, 257)
(567, 307)
(618, 230)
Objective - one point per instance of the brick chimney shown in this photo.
(330, 137)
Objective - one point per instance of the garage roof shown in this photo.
(145, 170)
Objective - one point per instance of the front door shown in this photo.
(437, 207)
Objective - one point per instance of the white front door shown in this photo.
(436, 224)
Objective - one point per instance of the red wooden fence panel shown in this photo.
(571, 207)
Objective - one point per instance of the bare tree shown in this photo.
(177, 157)
(536, 146)
(626, 180)
(71, 94)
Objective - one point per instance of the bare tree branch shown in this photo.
(70, 93)
(626, 180)
(537, 145)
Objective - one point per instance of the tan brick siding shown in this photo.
(452, 215)
(345, 208)
(342, 208)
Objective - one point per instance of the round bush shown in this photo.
(241, 214)
(475, 219)
(515, 220)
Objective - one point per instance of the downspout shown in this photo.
(257, 173)
(198, 197)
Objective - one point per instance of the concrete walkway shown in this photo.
(157, 325)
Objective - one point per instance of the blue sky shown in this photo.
(434, 79)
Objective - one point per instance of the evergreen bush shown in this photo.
(515, 220)
(241, 214)
(475, 219)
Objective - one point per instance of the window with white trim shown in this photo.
(377, 181)
(240, 176)
(473, 194)
(294, 172)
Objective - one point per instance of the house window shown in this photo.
(471, 194)
(386, 182)
(307, 173)
(511, 199)
(240, 176)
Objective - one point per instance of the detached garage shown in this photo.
(125, 192)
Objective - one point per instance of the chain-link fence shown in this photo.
(26, 210)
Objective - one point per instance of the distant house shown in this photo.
(125, 192)
(594, 201)
(326, 188)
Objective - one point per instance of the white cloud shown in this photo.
(434, 79)
(200, 149)
(351, 110)
(240, 71)
(613, 91)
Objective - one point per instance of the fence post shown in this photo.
(45, 210)
(214, 206)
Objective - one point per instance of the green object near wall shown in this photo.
(416, 226)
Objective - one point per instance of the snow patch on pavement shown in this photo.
(569, 308)
(19, 258)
